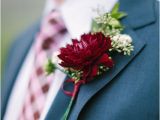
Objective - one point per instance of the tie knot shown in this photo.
(53, 24)
(54, 18)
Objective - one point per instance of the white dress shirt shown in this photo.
(83, 12)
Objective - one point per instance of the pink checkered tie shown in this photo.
(47, 42)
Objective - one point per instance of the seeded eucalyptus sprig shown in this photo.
(50, 68)
(109, 23)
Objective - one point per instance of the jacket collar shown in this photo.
(140, 12)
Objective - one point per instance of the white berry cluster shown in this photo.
(122, 43)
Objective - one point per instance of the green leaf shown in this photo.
(50, 67)
(115, 13)
(94, 26)
(115, 8)
(114, 22)
(119, 15)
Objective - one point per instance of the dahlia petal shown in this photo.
(103, 59)
(84, 54)
(75, 41)
(94, 71)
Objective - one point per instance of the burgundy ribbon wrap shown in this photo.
(75, 89)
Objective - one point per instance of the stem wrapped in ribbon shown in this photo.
(71, 94)
(82, 64)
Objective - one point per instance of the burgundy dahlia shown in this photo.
(87, 54)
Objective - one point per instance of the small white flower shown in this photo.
(122, 43)
(123, 39)
(127, 38)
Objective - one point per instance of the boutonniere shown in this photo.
(91, 55)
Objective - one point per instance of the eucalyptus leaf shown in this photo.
(114, 23)
(115, 8)
(95, 26)
(115, 13)
(119, 15)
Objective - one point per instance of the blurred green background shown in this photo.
(16, 16)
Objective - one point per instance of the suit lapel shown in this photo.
(15, 61)
(140, 12)
(89, 90)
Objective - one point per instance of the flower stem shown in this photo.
(75, 92)
(65, 116)
(62, 70)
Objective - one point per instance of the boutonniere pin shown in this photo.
(91, 55)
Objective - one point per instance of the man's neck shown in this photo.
(58, 2)
(52, 4)
(78, 14)
(82, 10)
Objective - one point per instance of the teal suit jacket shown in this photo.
(127, 92)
